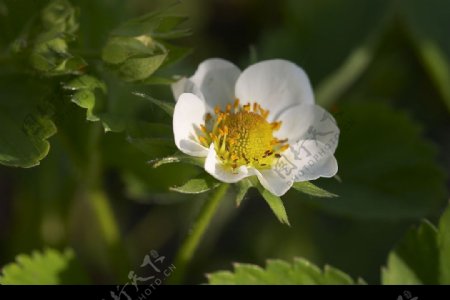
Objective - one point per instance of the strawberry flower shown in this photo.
(260, 122)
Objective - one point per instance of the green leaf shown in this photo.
(174, 54)
(118, 49)
(444, 247)
(26, 122)
(429, 38)
(59, 16)
(177, 158)
(198, 185)
(437, 66)
(165, 106)
(49, 48)
(140, 68)
(242, 187)
(136, 48)
(422, 256)
(86, 93)
(308, 188)
(391, 176)
(276, 204)
(415, 260)
(167, 27)
(282, 273)
(303, 20)
(153, 80)
(162, 23)
(151, 138)
(142, 182)
(47, 267)
(336, 84)
(135, 58)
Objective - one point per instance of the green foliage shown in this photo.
(309, 188)
(177, 158)
(86, 91)
(422, 256)
(57, 53)
(140, 68)
(49, 44)
(392, 175)
(276, 204)
(444, 247)
(118, 49)
(153, 139)
(47, 267)
(200, 184)
(26, 122)
(165, 106)
(281, 272)
(312, 38)
(242, 188)
(430, 40)
(136, 48)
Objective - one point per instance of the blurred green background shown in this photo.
(381, 67)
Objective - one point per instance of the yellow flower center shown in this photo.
(242, 136)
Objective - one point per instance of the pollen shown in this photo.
(242, 136)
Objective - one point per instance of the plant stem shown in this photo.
(110, 234)
(101, 206)
(191, 242)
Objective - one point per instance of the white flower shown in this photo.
(262, 121)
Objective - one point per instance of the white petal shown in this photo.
(214, 167)
(329, 168)
(325, 168)
(273, 182)
(214, 81)
(185, 85)
(187, 117)
(308, 122)
(275, 84)
(307, 160)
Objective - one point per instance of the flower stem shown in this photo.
(101, 207)
(191, 242)
(110, 234)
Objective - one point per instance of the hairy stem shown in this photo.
(193, 239)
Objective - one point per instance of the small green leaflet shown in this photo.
(281, 272)
(422, 256)
(47, 267)
(50, 53)
(86, 93)
(276, 204)
(242, 188)
(200, 184)
(139, 47)
(308, 188)
(26, 122)
(165, 106)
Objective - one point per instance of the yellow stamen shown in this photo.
(284, 147)
(242, 136)
(236, 104)
(276, 125)
(203, 141)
